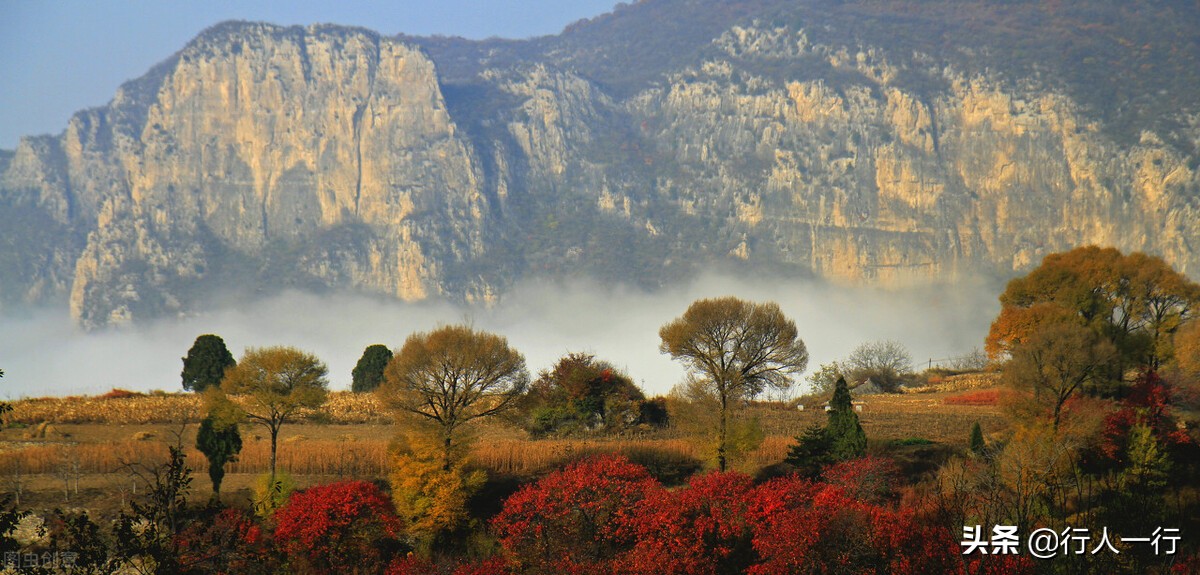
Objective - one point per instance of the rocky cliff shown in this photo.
(781, 142)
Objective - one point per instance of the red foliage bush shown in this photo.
(606, 515)
(1149, 404)
(702, 529)
(492, 566)
(578, 519)
(869, 479)
(343, 527)
(230, 542)
(807, 527)
(121, 394)
(981, 397)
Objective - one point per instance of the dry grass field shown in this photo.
(83, 452)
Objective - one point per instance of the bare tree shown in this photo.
(735, 349)
(886, 363)
(451, 376)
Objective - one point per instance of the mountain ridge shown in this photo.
(327, 157)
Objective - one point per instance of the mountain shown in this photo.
(887, 143)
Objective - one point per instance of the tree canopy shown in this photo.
(274, 384)
(736, 349)
(368, 372)
(205, 363)
(1136, 301)
(453, 375)
(220, 443)
(582, 393)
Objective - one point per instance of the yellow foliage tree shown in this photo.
(432, 500)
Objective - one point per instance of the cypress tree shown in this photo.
(206, 363)
(976, 444)
(368, 372)
(846, 437)
(220, 444)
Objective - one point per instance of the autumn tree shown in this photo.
(735, 349)
(368, 372)
(205, 363)
(220, 443)
(272, 384)
(1187, 350)
(1136, 301)
(451, 376)
(431, 500)
(1055, 363)
(581, 393)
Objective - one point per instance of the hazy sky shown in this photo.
(58, 57)
(542, 321)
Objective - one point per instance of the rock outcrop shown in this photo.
(261, 157)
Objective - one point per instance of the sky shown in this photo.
(58, 57)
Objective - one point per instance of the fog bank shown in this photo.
(42, 353)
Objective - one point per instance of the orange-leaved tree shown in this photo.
(1137, 301)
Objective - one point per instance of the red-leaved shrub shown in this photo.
(981, 397)
(346, 527)
(576, 520)
(702, 529)
(231, 541)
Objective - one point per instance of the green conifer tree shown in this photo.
(977, 445)
(846, 437)
(206, 362)
(368, 372)
(220, 444)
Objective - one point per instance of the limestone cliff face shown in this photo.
(299, 156)
(262, 157)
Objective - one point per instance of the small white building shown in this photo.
(858, 406)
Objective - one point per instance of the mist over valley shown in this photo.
(45, 354)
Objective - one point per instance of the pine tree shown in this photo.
(977, 445)
(842, 437)
(846, 437)
(811, 453)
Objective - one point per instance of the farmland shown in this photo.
(78, 452)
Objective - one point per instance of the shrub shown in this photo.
(271, 495)
(984, 397)
(351, 525)
(117, 393)
(576, 520)
(226, 541)
(700, 529)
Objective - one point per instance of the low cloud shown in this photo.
(42, 353)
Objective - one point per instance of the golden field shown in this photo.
(82, 452)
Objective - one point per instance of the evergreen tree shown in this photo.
(220, 444)
(846, 437)
(368, 372)
(842, 437)
(811, 453)
(206, 363)
(977, 445)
